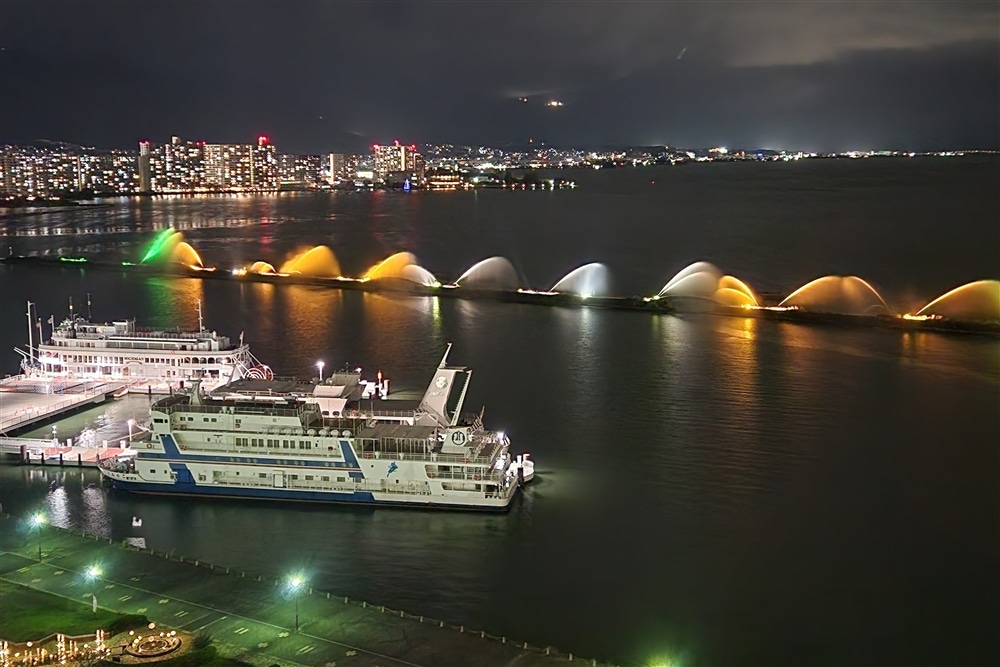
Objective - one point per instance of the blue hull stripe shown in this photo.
(359, 498)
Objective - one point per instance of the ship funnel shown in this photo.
(435, 400)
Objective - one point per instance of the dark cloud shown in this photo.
(335, 75)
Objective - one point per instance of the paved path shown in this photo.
(248, 618)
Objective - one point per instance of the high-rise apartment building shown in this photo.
(33, 172)
(185, 166)
(397, 158)
(145, 180)
(299, 171)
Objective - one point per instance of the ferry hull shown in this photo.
(368, 499)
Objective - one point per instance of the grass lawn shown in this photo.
(27, 614)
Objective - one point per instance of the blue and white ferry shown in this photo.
(329, 441)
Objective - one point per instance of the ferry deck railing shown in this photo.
(233, 409)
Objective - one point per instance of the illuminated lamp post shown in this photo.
(319, 365)
(294, 586)
(91, 574)
(37, 521)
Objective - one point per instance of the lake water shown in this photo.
(719, 490)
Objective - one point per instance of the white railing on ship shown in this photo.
(233, 409)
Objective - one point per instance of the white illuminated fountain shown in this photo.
(701, 286)
(492, 273)
(588, 280)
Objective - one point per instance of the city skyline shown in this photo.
(793, 76)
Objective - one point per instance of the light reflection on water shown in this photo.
(695, 457)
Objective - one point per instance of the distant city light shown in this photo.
(33, 173)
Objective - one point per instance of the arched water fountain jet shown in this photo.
(170, 246)
(402, 265)
(184, 254)
(492, 273)
(732, 291)
(841, 295)
(161, 246)
(977, 301)
(261, 268)
(698, 279)
(588, 280)
(319, 262)
(701, 286)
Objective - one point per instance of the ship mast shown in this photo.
(89, 318)
(201, 325)
(31, 335)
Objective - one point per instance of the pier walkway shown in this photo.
(27, 401)
(251, 617)
(43, 451)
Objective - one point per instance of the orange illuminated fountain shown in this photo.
(184, 254)
(403, 266)
(734, 292)
(977, 301)
(492, 273)
(318, 262)
(703, 281)
(261, 268)
(586, 281)
(841, 295)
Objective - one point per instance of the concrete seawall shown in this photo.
(251, 616)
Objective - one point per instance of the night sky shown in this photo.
(322, 76)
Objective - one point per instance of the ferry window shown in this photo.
(294, 476)
(201, 478)
(340, 479)
(262, 475)
(309, 478)
(213, 419)
(326, 478)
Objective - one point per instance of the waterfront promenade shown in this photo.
(250, 616)
(31, 401)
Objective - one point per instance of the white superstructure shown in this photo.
(287, 440)
(121, 351)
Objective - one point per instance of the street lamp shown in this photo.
(91, 573)
(319, 365)
(294, 584)
(37, 521)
